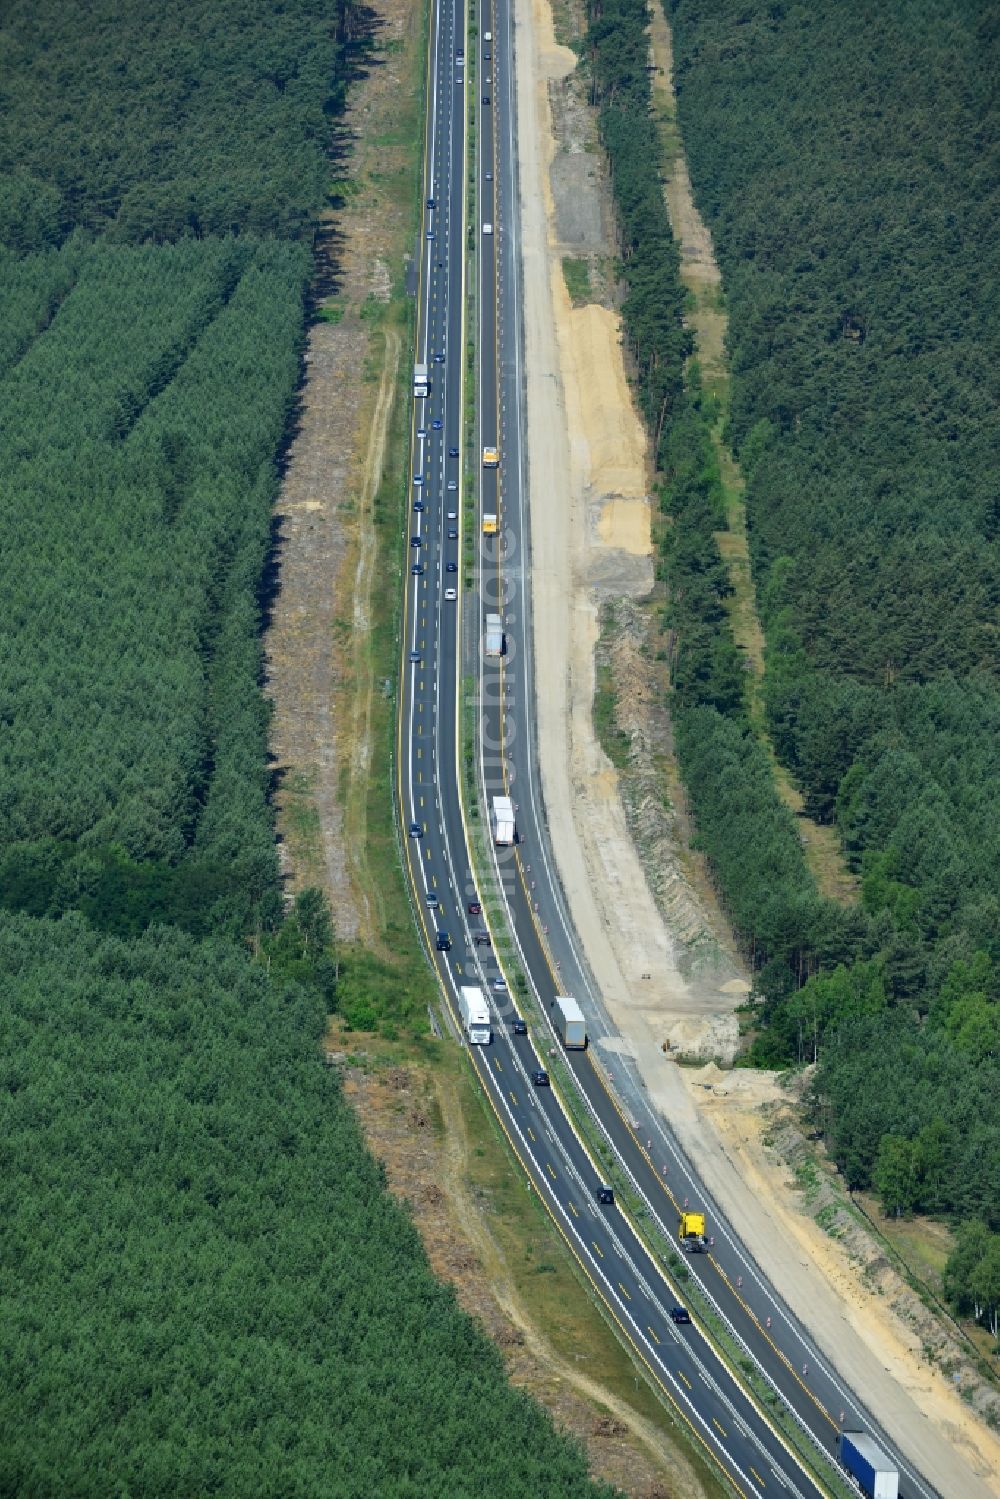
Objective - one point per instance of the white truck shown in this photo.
(475, 1015)
(503, 821)
(875, 1474)
(571, 1024)
(494, 635)
(421, 381)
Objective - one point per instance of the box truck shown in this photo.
(491, 523)
(866, 1462)
(475, 1015)
(494, 635)
(572, 1026)
(491, 457)
(503, 821)
(421, 381)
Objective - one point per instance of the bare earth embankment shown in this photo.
(591, 541)
(323, 684)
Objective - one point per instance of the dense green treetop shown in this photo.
(153, 122)
(206, 1287)
(847, 165)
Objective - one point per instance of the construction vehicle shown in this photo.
(692, 1233)
(490, 523)
(491, 457)
(874, 1473)
(503, 821)
(494, 635)
(421, 382)
(571, 1024)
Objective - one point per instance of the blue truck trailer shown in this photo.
(868, 1465)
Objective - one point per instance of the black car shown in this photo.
(486, 98)
(419, 505)
(416, 831)
(605, 1195)
(520, 1027)
(415, 658)
(481, 938)
(475, 909)
(416, 541)
(443, 942)
(452, 534)
(540, 1078)
(417, 569)
(451, 567)
(679, 1314)
(431, 202)
(452, 452)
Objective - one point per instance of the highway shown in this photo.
(468, 289)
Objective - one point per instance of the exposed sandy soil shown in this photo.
(317, 664)
(430, 1170)
(753, 1135)
(590, 542)
(579, 556)
(318, 678)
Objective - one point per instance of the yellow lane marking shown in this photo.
(498, 1064)
(685, 1378)
(531, 1133)
(756, 1475)
(548, 1167)
(598, 1248)
(573, 1209)
(765, 1334)
(718, 1423)
(626, 1294)
(652, 1334)
(513, 1097)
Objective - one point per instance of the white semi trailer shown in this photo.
(571, 1024)
(475, 1015)
(503, 821)
(494, 635)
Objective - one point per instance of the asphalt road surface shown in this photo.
(468, 290)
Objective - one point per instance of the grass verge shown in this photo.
(389, 983)
(576, 274)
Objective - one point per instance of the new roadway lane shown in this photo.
(468, 278)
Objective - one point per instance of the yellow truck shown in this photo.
(490, 525)
(691, 1233)
(491, 457)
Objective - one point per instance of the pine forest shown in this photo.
(206, 1286)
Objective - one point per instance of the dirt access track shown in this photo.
(591, 541)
